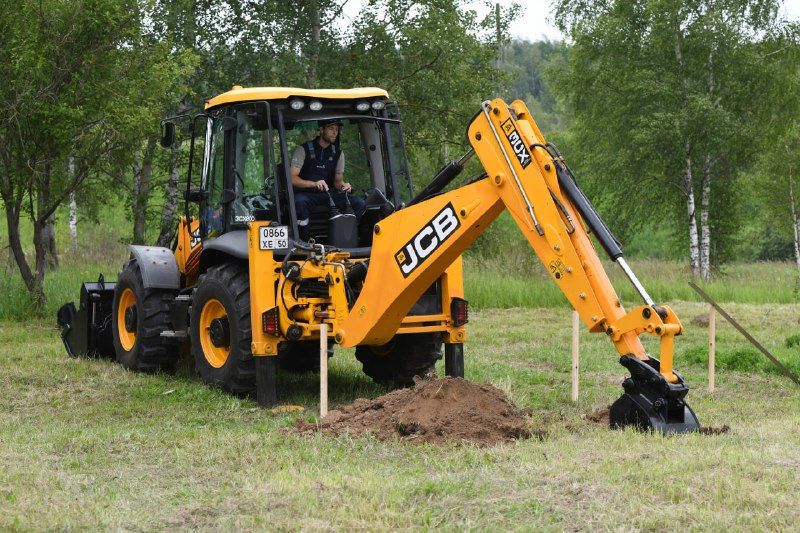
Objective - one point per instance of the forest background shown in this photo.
(680, 119)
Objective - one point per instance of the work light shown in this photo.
(315, 105)
(296, 104)
(362, 106)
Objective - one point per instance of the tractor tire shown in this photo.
(398, 361)
(220, 329)
(301, 356)
(139, 316)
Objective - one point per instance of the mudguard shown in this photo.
(158, 267)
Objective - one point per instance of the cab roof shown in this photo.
(249, 94)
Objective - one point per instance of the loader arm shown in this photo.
(412, 248)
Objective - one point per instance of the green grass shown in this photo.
(500, 272)
(520, 281)
(85, 444)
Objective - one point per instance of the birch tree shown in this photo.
(79, 80)
(668, 97)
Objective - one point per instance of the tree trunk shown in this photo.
(171, 201)
(33, 285)
(705, 229)
(48, 249)
(73, 208)
(795, 223)
(694, 245)
(49, 237)
(313, 56)
(499, 37)
(142, 171)
(688, 178)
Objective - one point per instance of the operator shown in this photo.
(317, 169)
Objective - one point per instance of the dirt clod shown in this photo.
(715, 431)
(435, 411)
(600, 417)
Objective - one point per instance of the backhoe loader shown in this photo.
(242, 291)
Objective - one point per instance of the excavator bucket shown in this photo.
(650, 402)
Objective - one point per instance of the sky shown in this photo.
(535, 23)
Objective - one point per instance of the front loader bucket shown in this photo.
(650, 403)
(87, 330)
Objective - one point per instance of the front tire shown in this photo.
(220, 329)
(405, 356)
(140, 315)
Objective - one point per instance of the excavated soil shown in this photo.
(437, 411)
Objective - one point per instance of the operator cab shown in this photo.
(250, 135)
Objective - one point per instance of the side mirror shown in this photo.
(167, 134)
(195, 194)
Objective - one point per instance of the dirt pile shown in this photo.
(436, 411)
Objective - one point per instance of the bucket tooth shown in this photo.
(650, 402)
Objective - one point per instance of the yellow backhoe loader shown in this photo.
(245, 293)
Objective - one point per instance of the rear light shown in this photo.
(269, 322)
(459, 311)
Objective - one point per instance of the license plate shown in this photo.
(274, 238)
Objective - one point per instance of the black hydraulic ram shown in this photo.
(566, 180)
(448, 173)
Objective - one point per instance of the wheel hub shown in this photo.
(130, 319)
(220, 332)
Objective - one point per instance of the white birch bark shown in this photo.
(73, 208)
(688, 178)
(694, 241)
(795, 224)
(705, 229)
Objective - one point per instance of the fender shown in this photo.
(158, 266)
(231, 244)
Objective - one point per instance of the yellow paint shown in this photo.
(249, 94)
(126, 338)
(215, 355)
(188, 248)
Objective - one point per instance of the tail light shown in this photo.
(459, 311)
(269, 322)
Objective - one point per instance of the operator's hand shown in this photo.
(321, 185)
(346, 187)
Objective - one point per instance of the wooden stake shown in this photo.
(712, 346)
(323, 370)
(576, 324)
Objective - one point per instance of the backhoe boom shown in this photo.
(413, 247)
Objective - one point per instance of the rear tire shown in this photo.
(139, 316)
(220, 329)
(398, 361)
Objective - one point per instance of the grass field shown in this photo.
(512, 279)
(87, 445)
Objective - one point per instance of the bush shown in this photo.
(793, 341)
(741, 360)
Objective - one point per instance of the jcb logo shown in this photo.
(517, 144)
(427, 240)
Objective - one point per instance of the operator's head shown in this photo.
(329, 129)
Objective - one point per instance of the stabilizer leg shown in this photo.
(650, 402)
(266, 380)
(454, 360)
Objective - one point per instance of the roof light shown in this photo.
(296, 104)
(362, 106)
(377, 105)
(315, 105)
